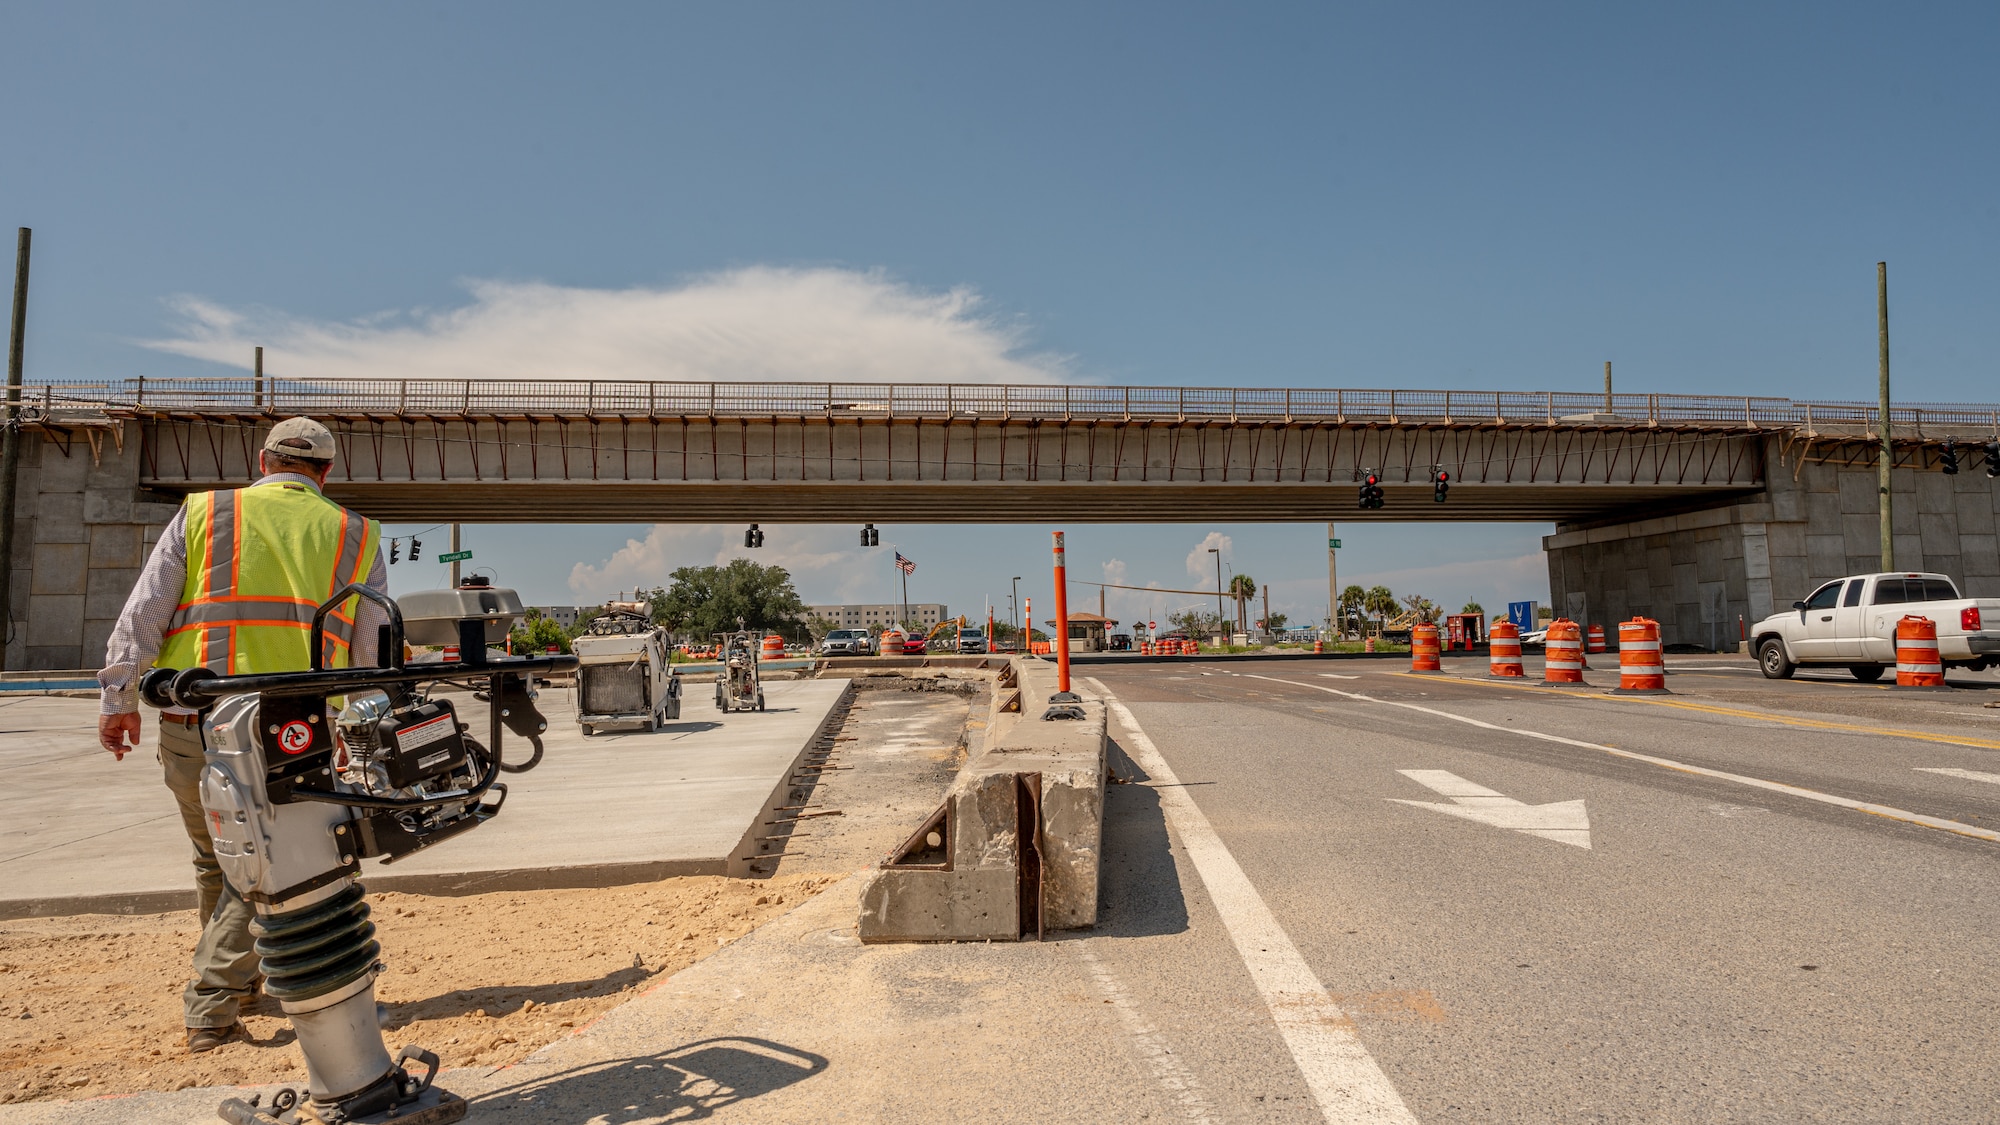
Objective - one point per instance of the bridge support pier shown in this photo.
(81, 533)
(1697, 572)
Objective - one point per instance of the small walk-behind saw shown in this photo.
(307, 774)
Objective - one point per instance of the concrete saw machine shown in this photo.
(298, 792)
(624, 675)
(737, 687)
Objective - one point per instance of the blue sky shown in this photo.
(1313, 194)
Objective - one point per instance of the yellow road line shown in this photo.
(1764, 716)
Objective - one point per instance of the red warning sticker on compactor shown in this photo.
(295, 737)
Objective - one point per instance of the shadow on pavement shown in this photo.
(1141, 888)
(686, 1083)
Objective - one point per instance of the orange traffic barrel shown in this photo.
(1593, 639)
(1368, 644)
(1190, 648)
(1639, 664)
(1504, 643)
(1424, 649)
(1318, 647)
(1917, 663)
(1562, 658)
(774, 645)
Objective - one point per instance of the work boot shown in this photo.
(202, 1039)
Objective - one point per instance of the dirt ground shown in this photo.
(91, 1003)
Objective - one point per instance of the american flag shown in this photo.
(905, 565)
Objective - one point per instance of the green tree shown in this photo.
(719, 599)
(536, 633)
(1242, 588)
(1196, 623)
(1276, 622)
(1352, 601)
(819, 626)
(1426, 610)
(1473, 607)
(1380, 601)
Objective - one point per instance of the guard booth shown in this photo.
(1463, 631)
(1087, 632)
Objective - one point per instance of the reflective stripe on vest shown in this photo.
(260, 561)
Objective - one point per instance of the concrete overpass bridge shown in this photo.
(1686, 507)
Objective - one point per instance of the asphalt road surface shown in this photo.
(1743, 901)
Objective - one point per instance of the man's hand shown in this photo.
(113, 731)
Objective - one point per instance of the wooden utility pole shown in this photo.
(10, 441)
(1607, 387)
(1887, 459)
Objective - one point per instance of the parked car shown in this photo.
(914, 645)
(1851, 622)
(1120, 642)
(847, 642)
(972, 641)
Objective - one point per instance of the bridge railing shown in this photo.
(570, 397)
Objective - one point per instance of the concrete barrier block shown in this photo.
(1032, 776)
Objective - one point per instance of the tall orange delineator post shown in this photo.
(1424, 649)
(1562, 659)
(1640, 668)
(1917, 661)
(1504, 642)
(1062, 617)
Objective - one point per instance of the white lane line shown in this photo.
(1969, 775)
(1338, 1069)
(1886, 811)
(1168, 1070)
(1336, 676)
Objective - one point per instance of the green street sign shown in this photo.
(1333, 544)
(455, 556)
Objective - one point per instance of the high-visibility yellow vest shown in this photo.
(260, 560)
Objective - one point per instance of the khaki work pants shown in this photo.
(225, 965)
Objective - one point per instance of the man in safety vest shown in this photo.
(232, 585)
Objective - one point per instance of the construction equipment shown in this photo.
(624, 676)
(953, 623)
(297, 795)
(736, 685)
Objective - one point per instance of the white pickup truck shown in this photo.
(1852, 622)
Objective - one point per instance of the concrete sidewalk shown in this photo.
(81, 832)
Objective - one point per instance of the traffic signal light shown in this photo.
(1440, 484)
(1993, 458)
(395, 547)
(1371, 490)
(1948, 459)
(753, 537)
(416, 545)
(870, 537)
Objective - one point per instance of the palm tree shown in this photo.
(1380, 601)
(1242, 587)
(1351, 601)
(1473, 607)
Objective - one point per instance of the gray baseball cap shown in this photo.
(302, 438)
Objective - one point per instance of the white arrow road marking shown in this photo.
(1885, 811)
(1344, 1078)
(1562, 821)
(1969, 775)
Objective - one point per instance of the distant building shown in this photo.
(862, 616)
(563, 615)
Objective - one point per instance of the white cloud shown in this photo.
(826, 563)
(1200, 565)
(759, 323)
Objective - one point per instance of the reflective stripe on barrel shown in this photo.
(1562, 661)
(1639, 666)
(1917, 663)
(1424, 649)
(1504, 643)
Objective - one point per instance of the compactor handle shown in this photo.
(395, 638)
